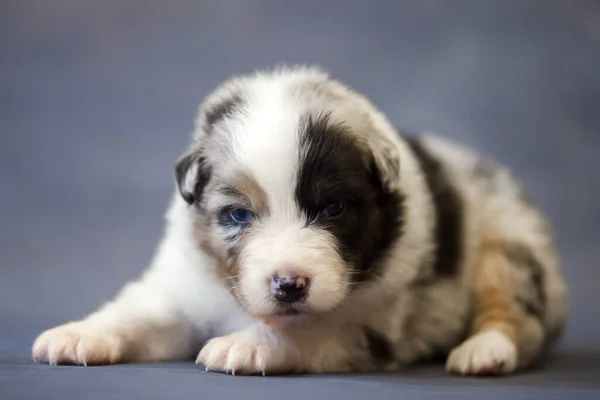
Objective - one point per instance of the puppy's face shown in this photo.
(290, 203)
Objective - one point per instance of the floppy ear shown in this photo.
(192, 174)
(385, 162)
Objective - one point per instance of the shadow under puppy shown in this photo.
(308, 235)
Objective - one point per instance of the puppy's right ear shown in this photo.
(192, 174)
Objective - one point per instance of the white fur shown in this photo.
(487, 353)
(293, 247)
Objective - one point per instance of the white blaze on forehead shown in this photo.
(265, 142)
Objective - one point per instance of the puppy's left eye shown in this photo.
(334, 210)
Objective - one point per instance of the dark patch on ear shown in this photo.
(181, 167)
(334, 169)
(448, 209)
(380, 347)
(220, 110)
(203, 173)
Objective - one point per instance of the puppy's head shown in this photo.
(292, 188)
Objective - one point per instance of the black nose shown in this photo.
(290, 288)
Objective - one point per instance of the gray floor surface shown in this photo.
(97, 100)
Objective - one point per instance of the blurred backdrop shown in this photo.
(97, 100)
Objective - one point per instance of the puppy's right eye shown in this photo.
(236, 216)
(241, 215)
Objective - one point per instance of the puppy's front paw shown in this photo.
(77, 343)
(487, 353)
(244, 354)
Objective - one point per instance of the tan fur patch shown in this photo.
(231, 269)
(494, 306)
(246, 191)
(206, 239)
(243, 188)
(226, 267)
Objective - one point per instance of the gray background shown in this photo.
(97, 100)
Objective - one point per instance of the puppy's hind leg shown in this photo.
(503, 337)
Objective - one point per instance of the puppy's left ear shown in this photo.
(192, 174)
(385, 162)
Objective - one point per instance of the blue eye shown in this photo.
(334, 209)
(240, 216)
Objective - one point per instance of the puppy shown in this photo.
(308, 235)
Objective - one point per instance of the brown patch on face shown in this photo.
(244, 188)
(206, 238)
(336, 170)
(229, 271)
(227, 256)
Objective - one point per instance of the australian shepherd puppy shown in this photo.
(308, 235)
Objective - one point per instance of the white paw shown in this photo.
(487, 353)
(243, 354)
(76, 343)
